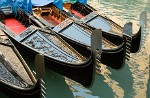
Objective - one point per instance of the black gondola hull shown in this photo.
(112, 58)
(13, 92)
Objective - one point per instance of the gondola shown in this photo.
(81, 11)
(16, 79)
(59, 56)
(115, 48)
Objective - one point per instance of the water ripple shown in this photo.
(132, 81)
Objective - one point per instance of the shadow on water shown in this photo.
(114, 83)
(100, 88)
(148, 85)
(148, 91)
(56, 86)
(110, 84)
(125, 79)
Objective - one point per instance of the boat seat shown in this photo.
(37, 11)
(67, 6)
(46, 9)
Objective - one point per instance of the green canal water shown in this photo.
(130, 82)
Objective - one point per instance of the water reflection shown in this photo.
(56, 86)
(108, 84)
(124, 79)
(130, 82)
(148, 85)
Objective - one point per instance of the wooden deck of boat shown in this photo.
(51, 20)
(77, 14)
(9, 54)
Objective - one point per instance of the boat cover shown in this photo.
(73, 1)
(20, 4)
(57, 3)
(82, 1)
(4, 3)
(26, 5)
